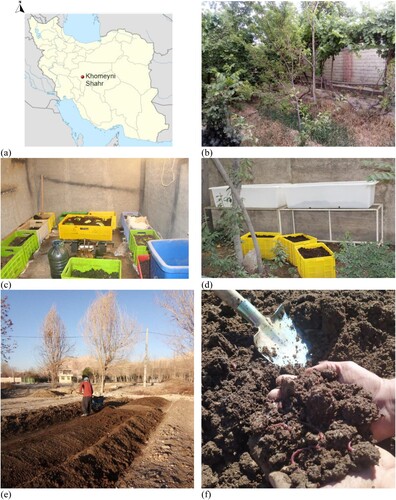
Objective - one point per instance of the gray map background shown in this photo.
(44, 125)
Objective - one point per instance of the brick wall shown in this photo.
(366, 67)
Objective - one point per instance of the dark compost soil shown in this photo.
(320, 432)
(5, 260)
(75, 452)
(311, 253)
(141, 240)
(145, 268)
(88, 221)
(94, 273)
(296, 239)
(262, 235)
(19, 241)
(340, 325)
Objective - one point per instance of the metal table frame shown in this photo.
(377, 208)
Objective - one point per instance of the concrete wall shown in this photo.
(165, 196)
(365, 67)
(268, 171)
(97, 184)
(17, 194)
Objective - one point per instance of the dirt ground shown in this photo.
(46, 443)
(361, 116)
(339, 325)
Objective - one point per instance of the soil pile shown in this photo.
(319, 434)
(81, 452)
(46, 393)
(87, 221)
(340, 326)
(94, 273)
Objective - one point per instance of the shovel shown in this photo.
(276, 338)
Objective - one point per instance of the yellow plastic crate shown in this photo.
(316, 267)
(106, 215)
(266, 241)
(76, 232)
(290, 246)
(50, 217)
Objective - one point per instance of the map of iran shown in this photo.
(99, 85)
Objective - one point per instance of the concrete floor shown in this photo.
(38, 267)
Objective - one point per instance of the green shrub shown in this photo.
(365, 260)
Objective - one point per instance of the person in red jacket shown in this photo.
(86, 390)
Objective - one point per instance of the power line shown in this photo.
(79, 336)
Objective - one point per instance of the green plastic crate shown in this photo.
(30, 245)
(81, 264)
(15, 266)
(140, 249)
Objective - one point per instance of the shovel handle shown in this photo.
(242, 306)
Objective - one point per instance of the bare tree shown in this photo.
(180, 306)
(54, 344)
(7, 344)
(109, 333)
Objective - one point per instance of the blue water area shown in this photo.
(84, 133)
(38, 33)
(84, 28)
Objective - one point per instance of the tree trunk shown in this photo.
(313, 54)
(331, 71)
(236, 239)
(102, 383)
(249, 224)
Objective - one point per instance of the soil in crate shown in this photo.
(87, 221)
(318, 434)
(145, 268)
(340, 326)
(141, 239)
(19, 241)
(312, 253)
(296, 239)
(263, 236)
(94, 273)
(5, 260)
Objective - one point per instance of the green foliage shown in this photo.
(377, 30)
(384, 171)
(323, 130)
(218, 96)
(280, 259)
(365, 260)
(87, 372)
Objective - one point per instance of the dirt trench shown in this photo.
(340, 326)
(77, 452)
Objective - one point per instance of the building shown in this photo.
(65, 376)
(365, 67)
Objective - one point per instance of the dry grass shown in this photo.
(365, 127)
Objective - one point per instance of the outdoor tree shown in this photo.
(7, 344)
(109, 333)
(180, 306)
(284, 55)
(54, 344)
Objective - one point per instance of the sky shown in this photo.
(28, 309)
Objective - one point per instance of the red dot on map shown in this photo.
(82, 76)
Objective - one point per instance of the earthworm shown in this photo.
(297, 452)
(320, 434)
(349, 446)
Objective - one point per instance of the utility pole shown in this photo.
(145, 361)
